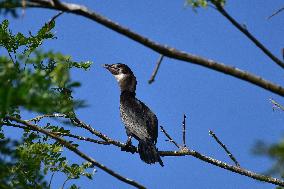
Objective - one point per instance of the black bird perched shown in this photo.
(140, 122)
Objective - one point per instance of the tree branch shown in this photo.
(248, 34)
(275, 13)
(152, 78)
(181, 152)
(159, 48)
(184, 151)
(225, 148)
(183, 131)
(71, 147)
(223, 165)
(169, 137)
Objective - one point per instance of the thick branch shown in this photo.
(161, 49)
(76, 151)
(249, 35)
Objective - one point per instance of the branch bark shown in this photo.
(159, 48)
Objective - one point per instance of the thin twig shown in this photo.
(11, 57)
(275, 13)
(152, 78)
(82, 138)
(225, 148)
(63, 185)
(83, 125)
(38, 118)
(49, 184)
(76, 151)
(61, 134)
(248, 34)
(159, 48)
(169, 137)
(183, 131)
(276, 104)
(56, 16)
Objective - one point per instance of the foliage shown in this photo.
(14, 173)
(40, 82)
(32, 79)
(275, 152)
(204, 3)
(43, 152)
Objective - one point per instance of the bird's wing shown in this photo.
(151, 122)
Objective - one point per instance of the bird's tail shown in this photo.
(148, 152)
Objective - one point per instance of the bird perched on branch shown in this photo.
(140, 122)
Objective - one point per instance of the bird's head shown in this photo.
(123, 75)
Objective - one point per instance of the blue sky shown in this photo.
(239, 113)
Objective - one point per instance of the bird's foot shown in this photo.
(129, 148)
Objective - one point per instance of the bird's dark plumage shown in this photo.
(140, 122)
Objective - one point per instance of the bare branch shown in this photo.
(38, 118)
(61, 134)
(152, 78)
(223, 165)
(169, 137)
(56, 16)
(162, 49)
(184, 151)
(183, 131)
(83, 125)
(225, 148)
(78, 152)
(81, 138)
(275, 13)
(276, 104)
(248, 34)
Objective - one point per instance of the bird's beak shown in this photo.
(106, 66)
(109, 68)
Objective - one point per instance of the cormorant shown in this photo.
(140, 122)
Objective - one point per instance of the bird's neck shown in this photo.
(128, 85)
(126, 95)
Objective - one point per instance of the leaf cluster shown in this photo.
(204, 3)
(33, 79)
(47, 156)
(273, 151)
(13, 173)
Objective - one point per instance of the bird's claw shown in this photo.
(129, 148)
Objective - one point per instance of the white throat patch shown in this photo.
(120, 77)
